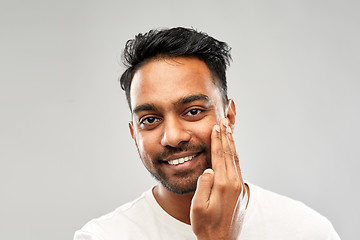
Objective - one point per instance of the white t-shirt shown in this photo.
(269, 216)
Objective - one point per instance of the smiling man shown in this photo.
(182, 125)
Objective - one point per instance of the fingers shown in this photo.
(234, 171)
(223, 151)
(229, 149)
(235, 156)
(217, 153)
(228, 153)
(203, 189)
(225, 159)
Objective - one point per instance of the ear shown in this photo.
(231, 112)
(131, 128)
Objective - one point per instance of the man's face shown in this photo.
(175, 105)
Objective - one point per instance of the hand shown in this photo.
(219, 204)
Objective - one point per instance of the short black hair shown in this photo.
(176, 42)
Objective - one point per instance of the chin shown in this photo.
(180, 186)
(180, 190)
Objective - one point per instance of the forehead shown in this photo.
(165, 80)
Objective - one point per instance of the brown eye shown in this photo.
(149, 120)
(194, 112)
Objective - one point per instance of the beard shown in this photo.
(181, 182)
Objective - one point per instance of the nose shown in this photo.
(174, 133)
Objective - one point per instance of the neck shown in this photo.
(176, 205)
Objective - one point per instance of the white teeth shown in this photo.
(181, 160)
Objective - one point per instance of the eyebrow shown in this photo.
(144, 107)
(192, 98)
(181, 101)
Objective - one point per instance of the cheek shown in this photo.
(146, 144)
(203, 131)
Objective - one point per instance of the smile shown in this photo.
(181, 160)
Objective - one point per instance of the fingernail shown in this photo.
(217, 128)
(226, 122)
(209, 170)
(228, 129)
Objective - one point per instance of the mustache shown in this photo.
(168, 151)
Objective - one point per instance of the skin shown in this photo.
(178, 112)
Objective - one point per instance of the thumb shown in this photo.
(203, 189)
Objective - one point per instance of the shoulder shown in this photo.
(123, 220)
(142, 218)
(281, 215)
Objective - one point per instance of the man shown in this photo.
(182, 124)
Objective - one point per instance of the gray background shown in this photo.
(65, 150)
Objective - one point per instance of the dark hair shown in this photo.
(176, 42)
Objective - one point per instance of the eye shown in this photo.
(149, 122)
(193, 112)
